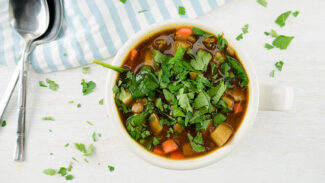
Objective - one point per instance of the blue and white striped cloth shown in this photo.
(94, 29)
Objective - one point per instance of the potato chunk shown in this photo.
(156, 128)
(229, 101)
(178, 128)
(236, 95)
(221, 134)
(148, 58)
(137, 107)
(184, 44)
(193, 75)
(187, 150)
(127, 98)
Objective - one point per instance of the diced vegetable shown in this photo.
(113, 67)
(178, 128)
(236, 95)
(126, 98)
(169, 146)
(230, 51)
(238, 108)
(184, 32)
(133, 54)
(156, 128)
(176, 155)
(158, 151)
(239, 70)
(221, 134)
(187, 150)
(148, 58)
(184, 44)
(229, 101)
(193, 75)
(137, 107)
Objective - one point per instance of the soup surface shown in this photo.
(182, 92)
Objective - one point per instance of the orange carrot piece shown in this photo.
(238, 108)
(169, 146)
(184, 32)
(176, 155)
(133, 54)
(158, 151)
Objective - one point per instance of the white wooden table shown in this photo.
(282, 147)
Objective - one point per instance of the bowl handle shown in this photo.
(275, 98)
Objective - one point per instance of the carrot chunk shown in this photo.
(238, 108)
(133, 54)
(158, 151)
(169, 146)
(176, 155)
(184, 32)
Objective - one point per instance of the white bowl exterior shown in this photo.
(191, 163)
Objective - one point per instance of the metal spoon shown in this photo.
(30, 18)
(52, 32)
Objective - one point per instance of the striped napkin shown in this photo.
(94, 29)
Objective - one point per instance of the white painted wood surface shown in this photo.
(282, 147)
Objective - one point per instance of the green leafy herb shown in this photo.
(111, 168)
(262, 2)
(51, 154)
(3, 123)
(123, 1)
(50, 130)
(86, 151)
(245, 29)
(85, 70)
(101, 102)
(197, 143)
(73, 158)
(202, 100)
(218, 119)
(50, 171)
(66, 145)
(199, 32)
(221, 42)
(266, 33)
(115, 68)
(62, 171)
(52, 85)
(268, 46)
(295, 14)
(71, 101)
(239, 37)
(201, 60)
(41, 84)
(86, 160)
(90, 123)
(279, 65)
(94, 136)
(282, 18)
(282, 42)
(142, 11)
(48, 118)
(272, 73)
(274, 34)
(70, 177)
(155, 141)
(181, 10)
(87, 87)
(79, 105)
(65, 54)
(239, 70)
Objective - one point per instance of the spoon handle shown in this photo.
(20, 146)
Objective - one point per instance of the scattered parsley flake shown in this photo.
(73, 158)
(51, 154)
(48, 118)
(86, 160)
(296, 13)
(262, 2)
(70, 102)
(282, 42)
(239, 37)
(87, 87)
(111, 168)
(62, 171)
(66, 145)
(85, 70)
(69, 177)
(142, 11)
(86, 151)
(52, 85)
(41, 84)
(266, 33)
(90, 123)
(274, 34)
(279, 65)
(101, 102)
(79, 105)
(65, 54)
(94, 135)
(245, 29)
(268, 46)
(282, 18)
(49, 171)
(181, 10)
(50, 130)
(3, 123)
(99, 135)
(272, 73)
(123, 1)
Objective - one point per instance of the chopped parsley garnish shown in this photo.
(221, 42)
(282, 42)
(73, 158)
(50, 130)
(266, 33)
(111, 168)
(101, 102)
(155, 141)
(268, 46)
(181, 10)
(86, 160)
(66, 145)
(272, 73)
(142, 11)
(69, 177)
(279, 65)
(51, 154)
(94, 136)
(113, 67)
(199, 32)
(3, 123)
(85, 70)
(70, 102)
(86, 151)
(65, 54)
(90, 123)
(48, 118)
(197, 143)
(295, 14)
(244, 31)
(50, 171)
(123, 1)
(239, 37)
(262, 2)
(273, 33)
(41, 84)
(62, 171)
(79, 105)
(282, 18)
(52, 85)
(87, 87)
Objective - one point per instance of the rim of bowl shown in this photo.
(191, 163)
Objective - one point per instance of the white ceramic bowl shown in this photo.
(200, 161)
